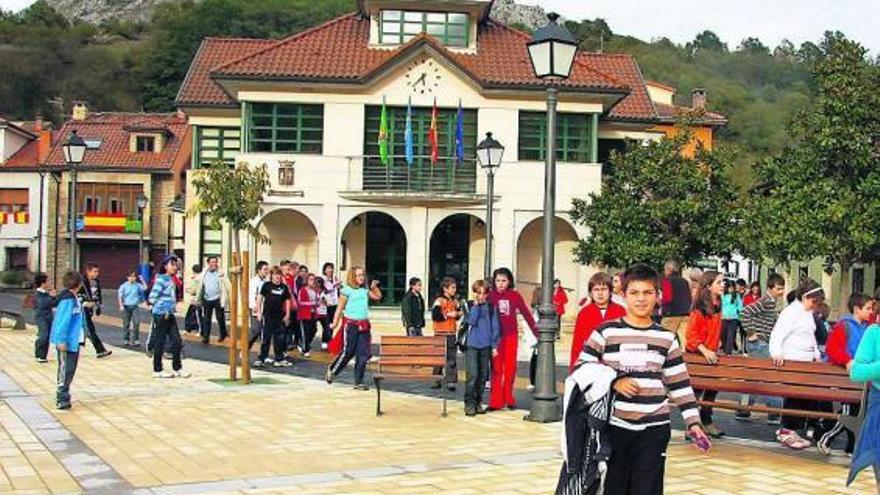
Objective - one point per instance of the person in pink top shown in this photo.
(306, 313)
(507, 302)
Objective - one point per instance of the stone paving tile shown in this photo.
(303, 436)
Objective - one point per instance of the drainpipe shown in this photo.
(40, 224)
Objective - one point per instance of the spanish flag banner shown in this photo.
(104, 222)
(21, 217)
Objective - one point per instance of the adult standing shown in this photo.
(261, 275)
(704, 337)
(508, 303)
(92, 300)
(331, 298)
(214, 298)
(353, 325)
(676, 299)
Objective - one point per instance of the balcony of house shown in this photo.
(419, 180)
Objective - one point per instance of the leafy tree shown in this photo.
(818, 197)
(753, 46)
(706, 41)
(785, 50)
(659, 204)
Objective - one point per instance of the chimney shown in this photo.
(698, 98)
(44, 139)
(38, 124)
(80, 110)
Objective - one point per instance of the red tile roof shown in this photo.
(338, 50)
(114, 151)
(198, 88)
(27, 156)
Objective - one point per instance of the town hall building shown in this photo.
(308, 107)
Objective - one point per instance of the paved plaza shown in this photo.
(129, 433)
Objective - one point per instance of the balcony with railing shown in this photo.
(445, 181)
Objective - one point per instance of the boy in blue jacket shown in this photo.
(68, 335)
(483, 336)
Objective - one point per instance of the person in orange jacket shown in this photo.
(704, 337)
(600, 310)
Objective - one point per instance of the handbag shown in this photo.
(193, 320)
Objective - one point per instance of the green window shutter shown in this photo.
(397, 27)
(216, 143)
(285, 128)
(575, 136)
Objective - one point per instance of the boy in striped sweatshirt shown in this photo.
(650, 371)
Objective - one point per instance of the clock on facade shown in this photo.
(423, 77)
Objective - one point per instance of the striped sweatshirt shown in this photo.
(759, 317)
(652, 356)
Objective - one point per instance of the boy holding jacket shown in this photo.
(483, 336)
(68, 335)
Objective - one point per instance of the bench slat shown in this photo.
(400, 350)
(767, 364)
(404, 376)
(412, 361)
(725, 404)
(777, 390)
(412, 341)
(775, 376)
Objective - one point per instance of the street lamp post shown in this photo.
(489, 153)
(142, 202)
(74, 152)
(551, 50)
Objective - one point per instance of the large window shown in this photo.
(574, 136)
(217, 143)
(285, 128)
(399, 26)
(421, 124)
(13, 200)
(211, 239)
(105, 197)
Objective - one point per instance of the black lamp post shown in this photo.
(74, 151)
(551, 50)
(489, 153)
(142, 202)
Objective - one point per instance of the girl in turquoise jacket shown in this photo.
(866, 368)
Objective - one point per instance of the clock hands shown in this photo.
(421, 79)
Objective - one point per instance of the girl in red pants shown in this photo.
(507, 302)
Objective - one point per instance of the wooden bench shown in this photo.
(16, 316)
(402, 358)
(795, 380)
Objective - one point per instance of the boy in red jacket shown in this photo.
(841, 347)
(600, 310)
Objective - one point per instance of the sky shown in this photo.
(681, 20)
(769, 20)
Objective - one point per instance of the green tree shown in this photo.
(818, 197)
(706, 41)
(753, 46)
(658, 204)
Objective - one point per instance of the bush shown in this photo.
(14, 278)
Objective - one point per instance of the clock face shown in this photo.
(423, 77)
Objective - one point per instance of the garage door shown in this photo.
(114, 258)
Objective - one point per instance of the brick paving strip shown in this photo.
(89, 470)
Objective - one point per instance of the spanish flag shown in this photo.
(104, 222)
(21, 217)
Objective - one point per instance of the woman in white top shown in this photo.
(332, 285)
(794, 339)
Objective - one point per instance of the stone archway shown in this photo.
(293, 237)
(377, 241)
(529, 259)
(457, 248)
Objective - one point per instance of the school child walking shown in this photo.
(68, 335)
(445, 312)
(352, 324)
(651, 371)
(866, 368)
(731, 309)
(591, 316)
(704, 337)
(306, 313)
(44, 303)
(508, 303)
(332, 284)
(483, 336)
(412, 309)
(273, 313)
(92, 301)
(163, 299)
(321, 312)
(130, 295)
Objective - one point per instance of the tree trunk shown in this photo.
(246, 319)
(232, 341)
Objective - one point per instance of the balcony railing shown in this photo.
(446, 176)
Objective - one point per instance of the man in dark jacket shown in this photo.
(412, 309)
(44, 303)
(92, 300)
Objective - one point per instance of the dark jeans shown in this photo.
(533, 366)
(210, 307)
(67, 362)
(477, 366)
(41, 345)
(307, 331)
(706, 412)
(451, 364)
(355, 345)
(291, 332)
(93, 334)
(165, 327)
(327, 325)
(638, 461)
(414, 331)
(272, 334)
(256, 332)
(131, 319)
(729, 329)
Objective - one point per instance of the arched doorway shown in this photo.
(458, 245)
(529, 258)
(377, 242)
(293, 237)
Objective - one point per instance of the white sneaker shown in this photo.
(269, 361)
(163, 374)
(323, 346)
(283, 364)
(530, 388)
(181, 373)
(257, 364)
(307, 354)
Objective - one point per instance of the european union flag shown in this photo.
(408, 134)
(459, 134)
